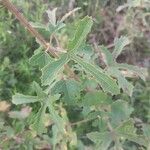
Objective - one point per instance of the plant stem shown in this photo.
(27, 25)
(83, 121)
(12, 8)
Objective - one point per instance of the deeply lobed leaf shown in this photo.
(70, 89)
(107, 83)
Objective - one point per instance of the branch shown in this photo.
(84, 121)
(33, 31)
(27, 25)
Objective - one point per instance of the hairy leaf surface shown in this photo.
(123, 83)
(50, 71)
(83, 28)
(120, 43)
(107, 83)
(70, 90)
(128, 131)
(96, 98)
(23, 99)
(38, 121)
(120, 111)
(40, 58)
(102, 140)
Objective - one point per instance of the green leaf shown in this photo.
(59, 122)
(70, 90)
(101, 123)
(86, 52)
(83, 28)
(128, 131)
(50, 71)
(38, 118)
(38, 124)
(54, 29)
(90, 84)
(107, 83)
(120, 111)
(23, 99)
(123, 83)
(108, 58)
(96, 98)
(40, 58)
(120, 43)
(38, 25)
(126, 127)
(102, 140)
(141, 72)
(39, 90)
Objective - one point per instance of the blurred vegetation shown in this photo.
(111, 19)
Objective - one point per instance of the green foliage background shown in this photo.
(17, 76)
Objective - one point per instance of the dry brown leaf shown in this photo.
(4, 106)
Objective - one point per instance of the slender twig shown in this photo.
(68, 14)
(27, 25)
(83, 121)
(12, 8)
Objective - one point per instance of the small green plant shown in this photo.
(77, 104)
